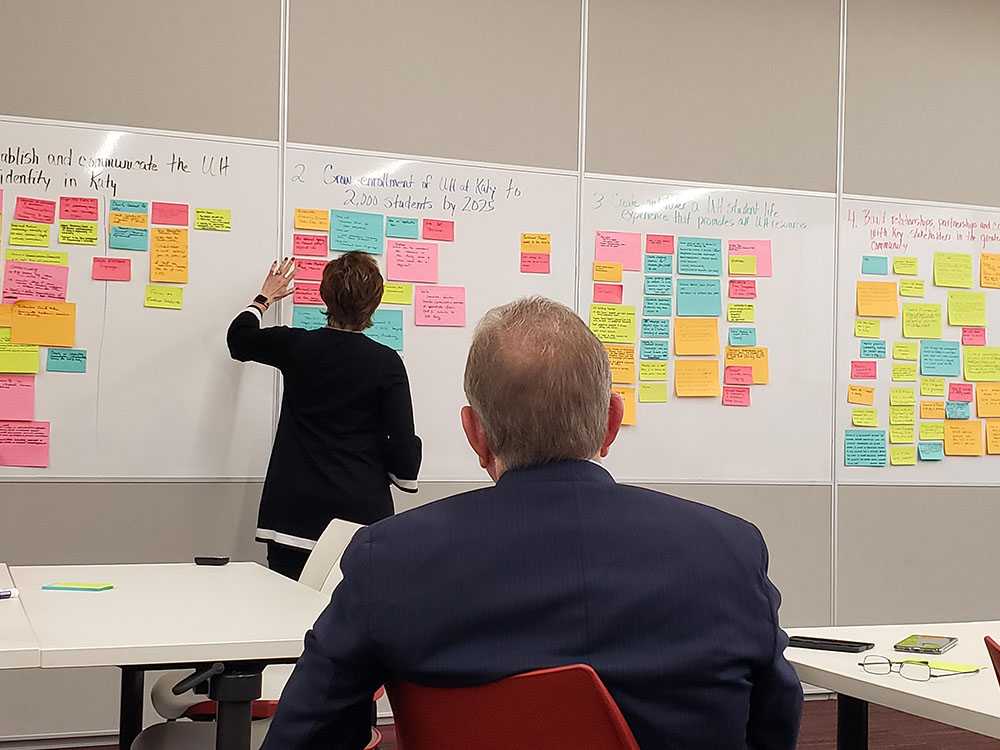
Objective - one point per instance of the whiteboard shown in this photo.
(889, 228)
(785, 434)
(161, 396)
(491, 206)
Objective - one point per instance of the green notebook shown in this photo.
(77, 586)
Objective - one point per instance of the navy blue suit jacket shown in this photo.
(668, 600)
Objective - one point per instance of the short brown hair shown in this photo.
(540, 383)
(351, 289)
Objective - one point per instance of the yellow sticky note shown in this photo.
(981, 363)
(622, 360)
(953, 270)
(696, 377)
(921, 320)
(932, 387)
(908, 350)
(168, 255)
(966, 308)
(993, 436)
(911, 287)
(6, 313)
(901, 433)
(696, 336)
(653, 393)
(395, 293)
(903, 266)
(904, 373)
(78, 232)
(613, 323)
(742, 265)
(49, 257)
(902, 397)
(963, 437)
(604, 271)
(739, 312)
(864, 417)
(932, 430)
(932, 410)
(31, 235)
(627, 393)
(901, 415)
(536, 243)
(17, 358)
(312, 218)
(214, 219)
(166, 297)
(867, 329)
(753, 356)
(877, 299)
(903, 455)
(988, 399)
(126, 219)
(860, 394)
(989, 270)
(43, 322)
(652, 370)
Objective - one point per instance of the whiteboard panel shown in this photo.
(785, 434)
(490, 206)
(160, 397)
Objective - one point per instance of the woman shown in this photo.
(346, 425)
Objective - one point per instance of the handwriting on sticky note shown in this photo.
(402, 227)
(742, 265)
(66, 360)
(619, 247)
(439, 229)
(315, 219)
(536, 243)
(627, 394)
(904, 266)
(989, 270)
(740, 312)
(28, 235)
(902, 414)
(358, 230)
(164, 297)
(738, 375)
(860, 394)
(613, 323)
(921, 320)
(536, 263)
(306, 294)
(864, 370)
(24, 255)
(974, 336)
(658, 264)
(699, 298)
(16, 358)
(875, 264)
(128, 238)
(867, 329)
(743, 337)
(903, 455)
(696, 336)
(864, 417)
(24, 444)
(743, 288)
(174, 214)
(953, 270)
(734, 395)
(963, 438)
(129, 207)
(654, 328)
(387, 328)
(407, 260)
(902, 397)
(397, 294)
(622, 359)
(982, 363)
(34, 209)
(652, 370)
(988, 399)
(877, 299)
(605, 271)
(699, 256)
(309, 244)
(960, 391)
(908, 350)
(309, 318)
(660, 243)
(754, 356)
(78, 232)
(696, 377)
(939, 358)
(168, 255)
(657, 306)
(993, 436)
(17, 397)
(43, 323)
(42, 281)
(759, 249)
(911, 287)
(932, 387)
(932, 410)
(966, 308)
(652, 349)
(213, 219)
(872, 349)
(439, 306)
(78, 209)
(608, 293)
(311, 269)
(111, 269)
(126, 219)
(932, 430)
(906, 372)
(652, 393)
(864, 448)
(662, 285)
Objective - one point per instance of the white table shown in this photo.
(969, 701)
(167, 616)
(18, 645)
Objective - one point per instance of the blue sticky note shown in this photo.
(699, 256)
(743, 337)
(130, 207)
(875, 264)
(956, 410)
(655, 328)
(658, 284)
(939, 358)
(658, 263)
(66, 360)
(931, 451)
(864, 448)
(872, 349)
(656, 306)
(355, 230)
(128, 238)
(654, 349)
(387, 328)
(402, 227)
(699, 298)
(308, 317)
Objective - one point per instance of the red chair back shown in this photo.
(994, 650)
(563, 708)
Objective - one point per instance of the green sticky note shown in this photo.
(49, 257)
(921, 320)
(966, 308)
(867, 329)
(213, 219)
(911, 287)
(652, 393)
(953, 270)
(902, 397)
(77, 586)
(932, 431)
(864, 417)
(932, 386)
(27, 234)
(982, 363)
(903, 455)
(907, 350)
(904, 373)
(78, 232)
(902, 415)
(901, 433)
(17, 358)
(652, 370)
(903, 266)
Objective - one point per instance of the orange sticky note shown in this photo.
(989, 270)
(878, 299)
(993, 436)
(697, 377)
(987, 399)
(696, 336)
(607, 271)
(126, 219)
(43, 323)
(754, 356)
(627, 392)
(168, 255)
(6, 311)
(963, 437)
(932, 410)
(860, 394)
(312, 218)
(532, 242)
(622, 358)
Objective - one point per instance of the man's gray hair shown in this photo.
(540, 383)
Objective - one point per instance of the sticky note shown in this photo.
(877, 299)
(875, 264)
(34, 281)
(165, 297)
(111, 269)
(312, 218)
(931, 451)
(311, 269)
(622, 359)
(735, 395)
(911, 287)
(872, 349)
(652, 393)
(17, 358)
(743, 337)
(78, 232)
(439, 229)
(532, 242)
(932, 431)
(168, 257)
(605, 271)
(902, 414)
(989, 270)
(174, 214)
(613, 323)
(696, 377)
(308, 317)
(654, 349)
(908, 350)
(754, 356)
(412, 261)
(860, 394)
(921, 320)
(17, 397)
(652, 370)
(966, 308)
(658, 264)
(129, 207)
(904, 372)
(406, 228)
(993, 437)
(660, 243)
(439, 306)
(657, 306)
(759, 249)
(953, 270)
(628, 397)
(864, 448)
(739, 312)
(699, 256)
(699, 298)
(988, 399)
(24, 444)
(397, 294)
(939, 358)
(963, 437)
(867, 329)
(902, 455)
(864, 417)
(863, 370)
(43, 322)
(34, 209)
(974, 336)
(66, 360)
(742, 265)
(76, 586)
(619, 247)
(536, 263)
(743, 288)
(78, 209)
(662, 285)
(903, 266)
(981, 363)
(29, 235)
(654, 328)
(309, 244)
(213, 219)
(128, 238)
(51, 257)
(306, 294)
(932, 386)
(737, 375)
(356, 230)
(960, 391)
(957, 410)
(123, 219)
(932, 410)
(696, 336)
(901, 433)
(608, 293)
(387, 328)
(902, 397)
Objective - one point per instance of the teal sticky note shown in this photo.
(654, 349)
(66, 360)
(387, 328)
(699, 256)
(931, 451)
(699, 298)
(658, 263)
(355, 230)
(657, 306)
(308, 317)
(130, 207)
(939, 358)
(128, 238)
(872, 349)
(743, 337)
(864, 448)
(875, 264)
(956, 410)
(658, 284)
(402, 227)
(655, 328)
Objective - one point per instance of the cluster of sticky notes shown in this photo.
(536, 252)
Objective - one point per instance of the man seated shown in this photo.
(668, 600)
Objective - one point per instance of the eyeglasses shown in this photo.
(909, 669)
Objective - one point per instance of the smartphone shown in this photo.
(926, 644)
(210, 560)
(829, 644)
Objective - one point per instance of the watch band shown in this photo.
(260, 299)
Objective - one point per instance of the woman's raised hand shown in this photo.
(278, 280)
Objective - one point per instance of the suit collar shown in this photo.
(557, 471)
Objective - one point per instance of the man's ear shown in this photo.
(476, 436)
(616, 411)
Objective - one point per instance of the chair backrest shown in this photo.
(564, 708)
(322, 568)
(994, 650)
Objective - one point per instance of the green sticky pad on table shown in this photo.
(77, 586)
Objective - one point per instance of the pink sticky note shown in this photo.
(608, 293)
(864, 370)
(439, 229)
(112, 269)
(743, 288)
(738, 375)
(24, 444)
(174, 214)
(307, 294)
(78, 209)
(439, 306)
(309, 244)
(407, 260)
(17, 397)
(619, 247)
(660, 243)
(309, 269)
(34, 281)
(735, 395)
(536, 262)
(35, 209)
(760, 249)
(974, 336)
(960, 391)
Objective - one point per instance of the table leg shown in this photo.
(852, 723)
(235, 690)
(130, 707)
